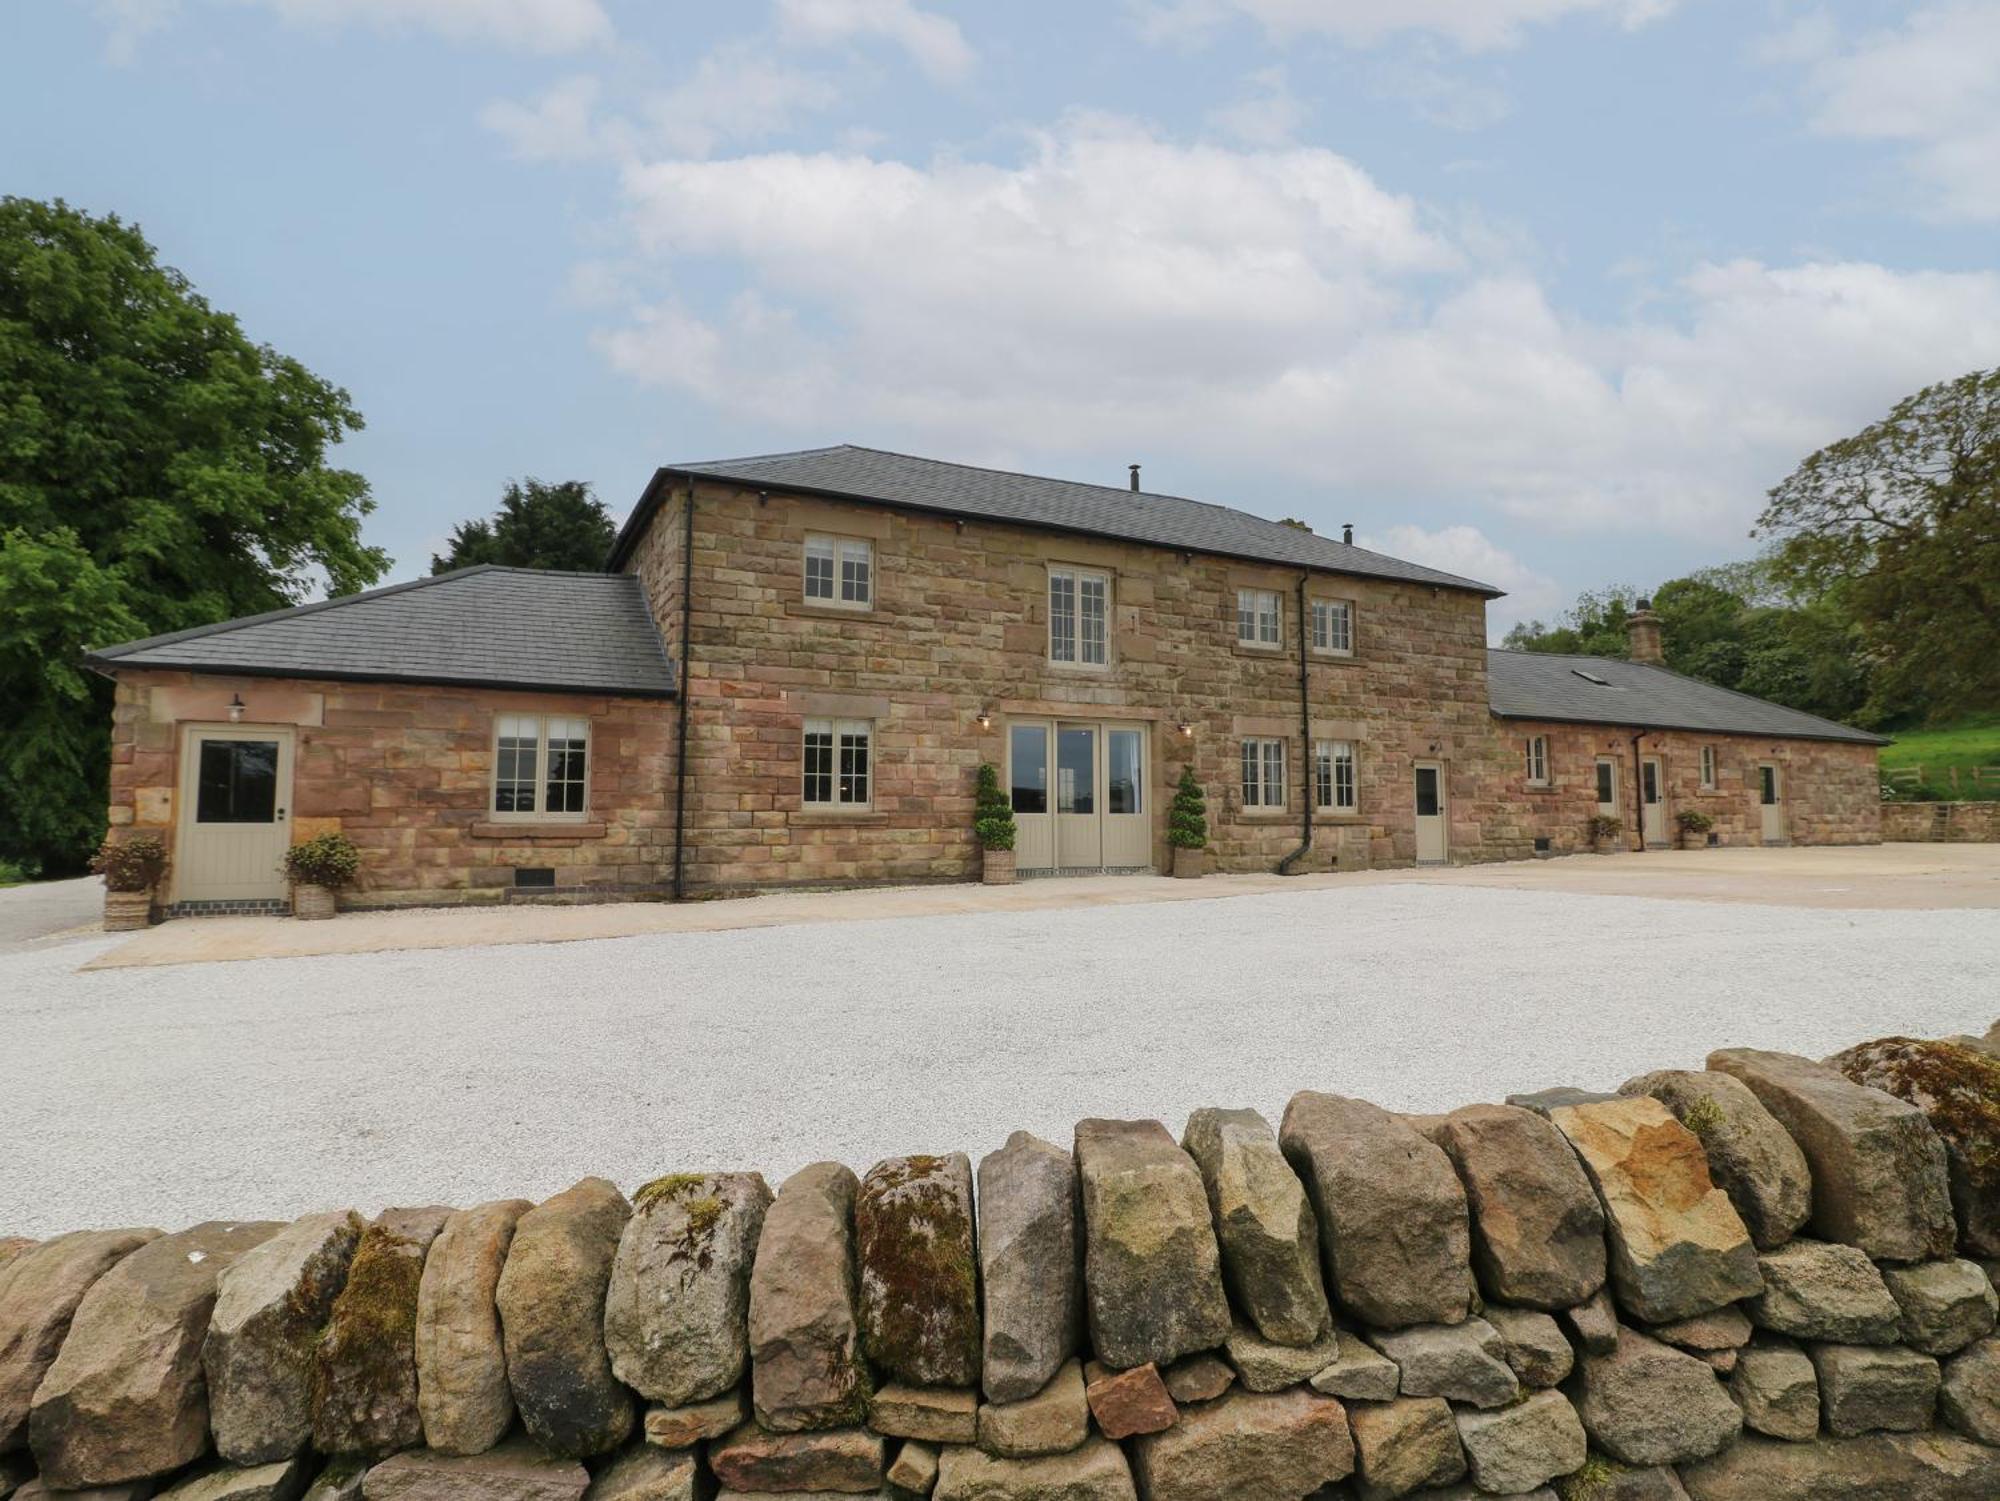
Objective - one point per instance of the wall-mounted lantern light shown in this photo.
(236, 708)
(1186, 729)
(986, 719)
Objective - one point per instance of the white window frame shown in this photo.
(1259, 611)
(538, 780)
(1538, 760)
(1263, 774)
(1336, 777)
(839, 775)
(1087, 641)
(850, 574)
(1708, 768)
(1327, 641)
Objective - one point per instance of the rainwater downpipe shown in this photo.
(1285, 866)
(1638, 791)
(681, 753)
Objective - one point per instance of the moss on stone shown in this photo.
(1592, 1481)
(920, 1281)
(667, 1189)
(1956, 1087)
(364, 1386)
(1703, 1117)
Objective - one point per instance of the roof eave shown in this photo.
(111, 666)
(1851, 737)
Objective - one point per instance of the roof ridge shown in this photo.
(1673, 672)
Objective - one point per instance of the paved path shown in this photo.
(41, 910)
(269, 1087)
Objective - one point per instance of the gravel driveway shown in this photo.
(274, 1087)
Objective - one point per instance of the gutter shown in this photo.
(1285, 866)
(686, 702)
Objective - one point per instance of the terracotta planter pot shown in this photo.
(1190, 864)
(313, 903)
(125, 911)
(1607, 846)
(1690, 840)
(997, 867)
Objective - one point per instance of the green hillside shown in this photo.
(1964, 747)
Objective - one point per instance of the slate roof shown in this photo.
(483, 627)
(871, 475)
(1545, 685)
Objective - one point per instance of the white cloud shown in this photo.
(522, 25)
(128, 23)
(1470, 553)
(1932, 85)
(560, 124)
(934, 43)
(1270, 114)
(1273, 303)
(1474, 25)
(736, 93)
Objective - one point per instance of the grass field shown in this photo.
(1968, 744)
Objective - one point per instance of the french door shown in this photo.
(1081, 796)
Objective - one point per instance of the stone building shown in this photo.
(801, 660)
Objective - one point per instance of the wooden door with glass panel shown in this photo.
(235, 796)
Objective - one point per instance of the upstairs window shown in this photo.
(1333, 776)
(840, 572)
(1333, 627)
(1708, 768)
(837, 763)
(1257, 617)
(541, 766)
(1263, 773)
(1538, 760)
(1079, 617)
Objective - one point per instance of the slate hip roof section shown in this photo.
(1546, 685)
(483, 627)
(872, 476)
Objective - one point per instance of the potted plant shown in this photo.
(993, 823)
(1607, 833)
(131, 869)
(1187, 827)
(319, 867)
(1695, 825)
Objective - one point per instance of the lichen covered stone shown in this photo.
(919, 1276)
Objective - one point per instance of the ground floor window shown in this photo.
(836, 763)
(1333, 776)
(541, 766)
(1538, 760)
(1708, 768)
(1263, 773)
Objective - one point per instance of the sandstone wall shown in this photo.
(1941, 823)
(1770, 1280)
(406, 772)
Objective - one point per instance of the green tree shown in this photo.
(158, 470)
(1899, 525)
(537, 526)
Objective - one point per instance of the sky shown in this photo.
(1543, 292)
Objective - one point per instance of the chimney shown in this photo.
(1347, 532)
(1644, 627)
(1135, 475)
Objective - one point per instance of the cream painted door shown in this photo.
(1653, 800)
(235, 803)
(1433, 845)
(1079, 825)
(1771, 802)
(1128, 822)
(1028, 786)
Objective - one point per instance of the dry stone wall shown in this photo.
(1771, 1279)
(1942, 823)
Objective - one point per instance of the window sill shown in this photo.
(1337, 820)
(832, 612)
(536, 831)
(1333, 658)
(1081, 669)
(828, 818)
(1275, 652)
(1265, 815)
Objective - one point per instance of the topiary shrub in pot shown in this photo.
(320, 867)
(1187, 827)
(1694, 825)
(132, 869)
(1607, 834)
(993, 824)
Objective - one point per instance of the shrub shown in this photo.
(1187, 822)
(993, 815)
(328, 860)
(1694, 821)
(134, 864)
(1604, 826)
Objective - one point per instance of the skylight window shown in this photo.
(1591, 677)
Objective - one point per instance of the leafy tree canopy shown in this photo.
(538, 526)
(158, 470)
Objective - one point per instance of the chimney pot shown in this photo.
(1135, 475)
(1642, 628)
(1347, 532)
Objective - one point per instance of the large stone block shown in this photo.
(1750, 1156)
(935, 1414)
(462, 1392)
(1648, 1404)
(40, 1288)
(278, 1480)
(919, 1276)
(1248, 1447)
(1866, 1388)
(1152, 1272)
(1534, 1345)
(684, 1427)
(1031, 1287)
(1394, 1229)
(1465, 1362)
(1097, 1471)
(1362, 1372)
(1264, 1225)
(1969, 1398)
(271, 1309)
(125, 1397)
(515, 1471)
(644, 1473)
(1814, 1289)
(1946, 1305)
(1958, 1090)
(1537, 1227)
(675, 1313)
(805, 1342)
(1515, 1449)
(1403, 1446)
(551, 1301)
(1678, 1246)
(1268, 1367)
(1777, 1389)
(1878, 1169)
(1905, 1467)
(1054, 1420)
(848, 1460)
(364, 1382)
